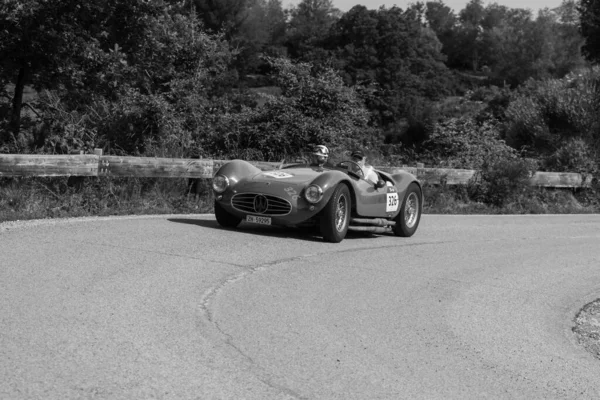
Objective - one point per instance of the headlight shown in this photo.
(220, 183)
(313, 194)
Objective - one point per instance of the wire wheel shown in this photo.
(341, 213)
(336, 215)
(407, 220)
(411, 210)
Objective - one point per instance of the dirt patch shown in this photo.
(587, 327)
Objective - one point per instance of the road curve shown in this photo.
(173, 307)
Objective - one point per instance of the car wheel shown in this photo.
(225, 219)
(409, 216)
(336, 215)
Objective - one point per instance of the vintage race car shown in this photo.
(336, 198)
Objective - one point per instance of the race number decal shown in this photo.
(278, 174)
(392, 202)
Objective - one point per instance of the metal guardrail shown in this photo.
(12, 165)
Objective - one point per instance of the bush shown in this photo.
(461, 143)
(501, 180)
(457, 107)
(573, 156)
(544, 113)
(311, 109)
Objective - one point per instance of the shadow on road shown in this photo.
(307, 234)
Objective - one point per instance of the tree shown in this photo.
(442, 20)
(519, 47)
(391, 53)
(221, 15)
(263, 31)
(309, 24)
(589, 12)
(275, 20)
(144, 80)
(42, 42)
(315, 107)
(471, 32)
(35, 37)
(565, 39)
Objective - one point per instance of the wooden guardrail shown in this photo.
(100, 165)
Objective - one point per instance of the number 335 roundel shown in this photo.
(392, 202)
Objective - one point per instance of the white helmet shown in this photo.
(321, 150)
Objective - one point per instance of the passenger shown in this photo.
(369, 173)
(319, 156)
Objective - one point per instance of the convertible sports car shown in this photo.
(336, 198)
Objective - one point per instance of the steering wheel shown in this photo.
(353, 168)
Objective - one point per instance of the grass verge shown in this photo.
(62, 197)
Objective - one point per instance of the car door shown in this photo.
(375, 202)
(371, 201)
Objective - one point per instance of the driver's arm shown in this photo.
(371, 175)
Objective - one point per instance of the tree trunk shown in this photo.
(17, 104)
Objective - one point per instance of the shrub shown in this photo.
(573, 156)
(501, 180)
(461, 143)
(311, 109)
(457, 107)
(544, 113)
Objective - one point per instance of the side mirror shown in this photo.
(380, 183)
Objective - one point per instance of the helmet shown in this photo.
(321, 150)
(320, 155)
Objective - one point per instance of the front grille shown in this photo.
(262, 204)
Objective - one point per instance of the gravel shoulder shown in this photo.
(587, 327)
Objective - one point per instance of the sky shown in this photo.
(457, 5)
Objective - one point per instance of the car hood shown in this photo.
(293, 176)
(277, 182)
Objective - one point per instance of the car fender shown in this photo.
(235, 170)
(402, 179)
(329, 180)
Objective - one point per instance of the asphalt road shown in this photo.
(174, 307)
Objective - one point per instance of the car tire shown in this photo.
(407, 220)
(225, 219)
(336, 215)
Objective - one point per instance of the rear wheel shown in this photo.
(225, 219)
(407, 220)
(336, 215)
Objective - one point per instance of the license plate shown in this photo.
(258, 220)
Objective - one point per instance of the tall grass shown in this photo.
(38, 198)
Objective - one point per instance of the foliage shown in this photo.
(500, 181)
(262, 31)
(589, 13)
(573, 156)
(307, 29)
(462, 143)
(509, 45)
(311, 109)
(44, 44)
(154, 100)
(546, 113)
(221, 16)
(393, 55)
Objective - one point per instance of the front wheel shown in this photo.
(336, 215)
(409, 216)
(225, 219)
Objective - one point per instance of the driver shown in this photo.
(368, 171)
(319, 156)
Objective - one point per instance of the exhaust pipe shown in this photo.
(373, 221)
(372, 229)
